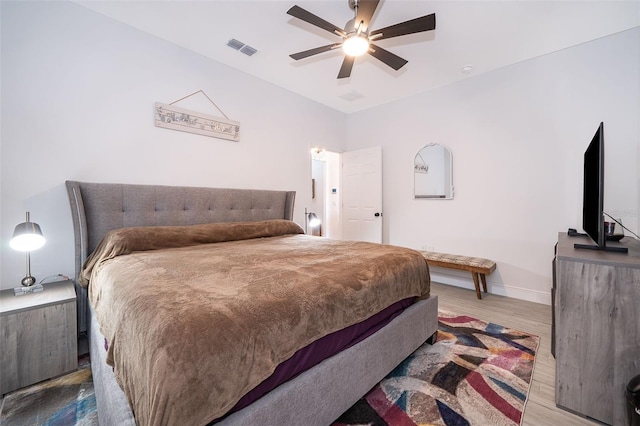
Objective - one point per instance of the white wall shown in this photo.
(78, 91)
(517, 136)
(77, 103)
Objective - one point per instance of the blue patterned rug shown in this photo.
(66, 401)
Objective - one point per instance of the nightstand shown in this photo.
(38, 335)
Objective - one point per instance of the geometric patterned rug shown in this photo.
(477, 373)
(65, 401)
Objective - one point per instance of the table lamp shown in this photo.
(27, 237)
(311, 219)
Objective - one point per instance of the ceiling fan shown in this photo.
(357, 39)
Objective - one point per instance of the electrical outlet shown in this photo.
(427, 247)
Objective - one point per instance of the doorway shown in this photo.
(346, 194)
(326, 198)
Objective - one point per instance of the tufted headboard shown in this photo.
(97, 208)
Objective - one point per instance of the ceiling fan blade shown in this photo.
(300, 13)
(391, 59)
(417, 25)
(366, 9)
(315, 51)
(347, 65)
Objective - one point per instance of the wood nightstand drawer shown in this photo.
(38, 337)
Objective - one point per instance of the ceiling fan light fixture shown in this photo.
(360, 39)
(355, 45)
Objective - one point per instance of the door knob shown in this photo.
(377, 214)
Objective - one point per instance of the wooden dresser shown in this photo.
(597, 327)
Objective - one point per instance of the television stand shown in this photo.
(596, 328)
(605, 248)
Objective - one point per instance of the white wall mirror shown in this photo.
(433, 173)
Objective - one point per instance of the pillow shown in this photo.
(128, 240)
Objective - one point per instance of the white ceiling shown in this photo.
(484, 34)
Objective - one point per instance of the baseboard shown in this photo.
(464, 280)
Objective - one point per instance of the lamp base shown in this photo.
(28, 281)
(19, 291)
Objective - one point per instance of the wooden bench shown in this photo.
(475, 265)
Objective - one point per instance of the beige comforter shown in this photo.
(193, 327)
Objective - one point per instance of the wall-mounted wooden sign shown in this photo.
(176, 118)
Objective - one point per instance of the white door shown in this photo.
(362, 195)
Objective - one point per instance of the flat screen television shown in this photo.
(593, 195)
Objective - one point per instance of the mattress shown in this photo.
(149, 303)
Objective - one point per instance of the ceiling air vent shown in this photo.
(238, 45)
(235, 44)
(248, 50)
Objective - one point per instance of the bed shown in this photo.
(102, 213)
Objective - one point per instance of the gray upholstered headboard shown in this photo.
(97, 208)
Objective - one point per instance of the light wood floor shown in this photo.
(531, 317)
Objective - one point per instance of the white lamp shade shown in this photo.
(27, 236)
(355, 45)
(313, 220)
